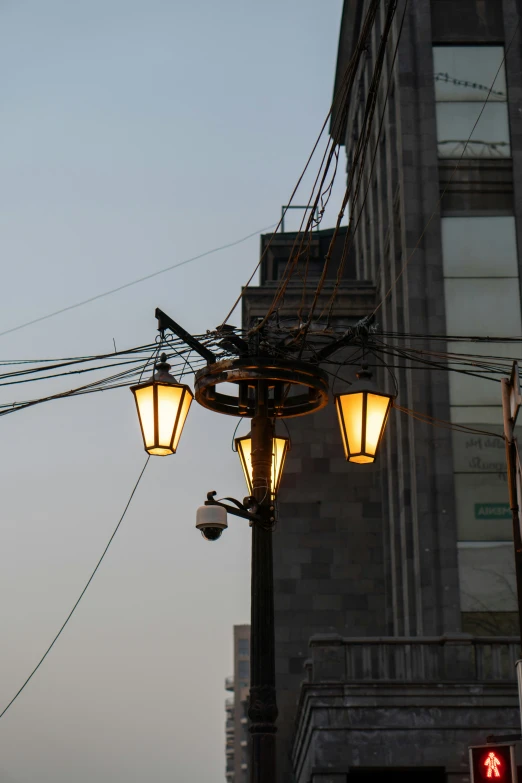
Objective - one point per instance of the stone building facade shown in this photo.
(440, 228)
(390, 578)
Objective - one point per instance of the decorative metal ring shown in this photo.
(281, 377)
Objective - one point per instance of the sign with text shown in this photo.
(480, 453)
(481, 489)
(492, 511)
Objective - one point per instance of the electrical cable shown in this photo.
(134, 282)
(337, 119)
(449, 337)
(474, 360)
(119, 380)
(443, 424)
(346, 87)
(438, 365)
(360, 154)
(349, 234)
(98, 564)
(350, 77)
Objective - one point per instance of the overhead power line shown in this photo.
(134, 282)
(98, 564)
(320, 187)
(314, 202)
(349, 238)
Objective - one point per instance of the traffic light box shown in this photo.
(493, 763)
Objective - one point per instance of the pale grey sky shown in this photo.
(133, 134)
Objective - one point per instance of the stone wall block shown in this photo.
(328, 659)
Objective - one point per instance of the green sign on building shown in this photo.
(492, 511)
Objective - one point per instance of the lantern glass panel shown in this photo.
(279, 450)
(245, 455)
(376, 410)
(338, 407)
(169, 398)
(352, 413)
(280, 446)
(185, 405)
(145, 403)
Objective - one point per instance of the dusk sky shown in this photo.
(134, 135)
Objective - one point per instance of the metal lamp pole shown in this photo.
(263, 707)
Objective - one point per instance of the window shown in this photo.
(479, 247)
(463, 78)
(487, 576)
(243, 647)
(243, 669)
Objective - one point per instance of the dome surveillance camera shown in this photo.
(211, 521)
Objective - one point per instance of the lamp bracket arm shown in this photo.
(362, 329)
(238, 509)
(166, 322)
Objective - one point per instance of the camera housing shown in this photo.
(211, 521)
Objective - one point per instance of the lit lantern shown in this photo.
(163, 405)
(280, 448)
(363, 412)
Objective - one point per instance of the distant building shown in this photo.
(236, 726)
(229, 734)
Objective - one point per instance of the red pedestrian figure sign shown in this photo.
(492, 763)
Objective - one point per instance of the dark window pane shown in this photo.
(243, 647)
(244, 669)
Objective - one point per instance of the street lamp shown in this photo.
(163, 405)
(280, 447)
(265, 388)
(363, 412)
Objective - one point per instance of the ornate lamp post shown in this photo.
(268, 388)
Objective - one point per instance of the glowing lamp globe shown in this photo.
(363, 413)
(280, 447)
(163, 405)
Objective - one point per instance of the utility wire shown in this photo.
(98, 564)
(134, 282)
(337, 120)
(362, 148)
(448, 337)
(123, 379)
(341, 95)
(349, 233)
(424, 418)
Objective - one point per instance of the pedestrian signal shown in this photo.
(493, 763)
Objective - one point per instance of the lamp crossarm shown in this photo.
(238, 509)
(166, 322)
(362, 328)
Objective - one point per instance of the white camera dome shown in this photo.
(211, 521)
